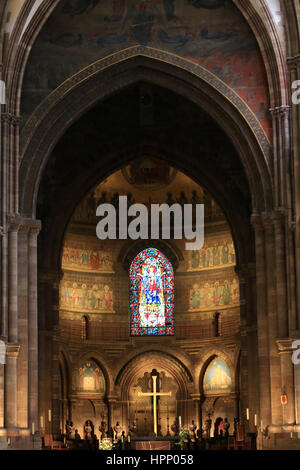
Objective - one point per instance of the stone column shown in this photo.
(12, 346)
(14, 224)
(287, 380)
(244, 392)
(48, 302)
(12, 352)
(275, 370)
(294, 75)
(33, 324)
(1, 396)
(281, 277)
(262, 323)
(23, 366)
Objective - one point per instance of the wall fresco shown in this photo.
(212, 33)
(216, 294)
(217, 377)
(84, 297)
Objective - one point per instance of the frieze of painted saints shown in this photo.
(84, 259)
(217, 377)
(212, 256)
(89, 378)
(221, 294)
(82, 297)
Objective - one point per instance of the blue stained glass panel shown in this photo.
(151, 294)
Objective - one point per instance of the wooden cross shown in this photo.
(154, 394)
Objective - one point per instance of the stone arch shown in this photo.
(95, 356)
(260, 22)
(206, 360)
(130, 250)
(78, 94)
(175, 367)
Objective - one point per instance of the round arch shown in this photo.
(100, 361)
(207, 358)
(157, 359)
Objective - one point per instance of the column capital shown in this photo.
(267, 220)
(256, 221)
(10, 118)
(32, 225)
(284, 345)
(195, 396)
(14, 222)
(12, 350)
(112, 399)
(293, 62)
(280, 111)
(35, 227)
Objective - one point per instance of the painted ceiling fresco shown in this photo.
(212, 33)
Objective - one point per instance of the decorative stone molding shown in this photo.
(280, 111)
(14, 222)
(285, 346)
(12, 350)
(10, 118)
(293, 62)
(79, 78)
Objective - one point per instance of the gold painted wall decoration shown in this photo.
(83, 297)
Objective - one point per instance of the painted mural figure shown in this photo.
(95, 259)
(217, 293)
(195, 297)
(107, 298)
(217, 377)
(152, 306)
(225, 253)
(90, 378)
(226, 295)
(235, 290)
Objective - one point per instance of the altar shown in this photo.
(160, 443)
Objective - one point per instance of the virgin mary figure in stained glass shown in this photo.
(151, 294)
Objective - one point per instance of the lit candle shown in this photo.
(128, 438)
(32, 429)
(255, 420)
(49, 416)
(291, 435)
(180, 421)
(261, 425)
(122, 438)
(247, 414)
(8, 441)
(42, 422)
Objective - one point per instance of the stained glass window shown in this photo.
(151, 294)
